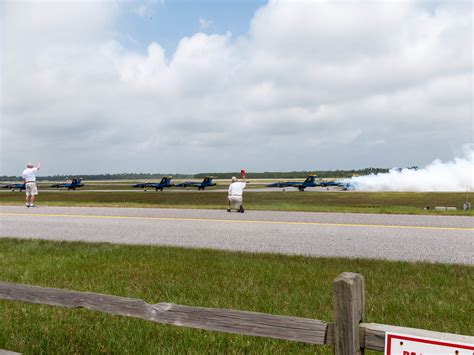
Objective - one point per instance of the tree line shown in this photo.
(217, 175)
(297, 174)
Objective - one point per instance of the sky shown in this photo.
(93, 87)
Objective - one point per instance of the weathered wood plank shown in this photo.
(375, 335)
(231, 321)
(8, 352)
(348, 302)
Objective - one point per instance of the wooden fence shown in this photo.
(348, 334)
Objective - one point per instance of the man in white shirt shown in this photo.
(29, 177)
(236, 190)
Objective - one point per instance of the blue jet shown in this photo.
(329, 183)
(309, 182)
(73, 185)
(13, 187)
(343, 185)
(207, 182)
(165, 182)
(346, 186)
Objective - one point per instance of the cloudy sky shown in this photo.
(195, 86)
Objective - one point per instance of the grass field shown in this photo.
(421, 295)
(347, 201)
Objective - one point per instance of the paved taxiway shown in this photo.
(168, 190)
(446, 239)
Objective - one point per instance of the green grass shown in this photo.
(368, 202)
(421, 295)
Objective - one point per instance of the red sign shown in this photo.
(399, 344)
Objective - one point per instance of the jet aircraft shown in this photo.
(207, 182)
(329, 183)
(75, 183)
(345, 186)
(309, 182)
(165, 182)
(13, 187)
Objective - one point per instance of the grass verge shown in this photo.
(421, 295)
(358, 202)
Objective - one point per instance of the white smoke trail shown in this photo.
(455, 176)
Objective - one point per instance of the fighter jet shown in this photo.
(309, 182)
(329, 183)
(165, 182)
(13, 187)
(343, 185)
(207, 182)
(346, 186)
(73, 185)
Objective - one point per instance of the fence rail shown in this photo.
(348, 333)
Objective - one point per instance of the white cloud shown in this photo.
(314, 85)
(146, 8)
(142, 10)
(204, 24)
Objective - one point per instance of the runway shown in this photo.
(444, 239)
(168, 190)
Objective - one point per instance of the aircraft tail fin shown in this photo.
(165, 180)
(310, 179)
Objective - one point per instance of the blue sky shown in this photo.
(167, 22)
(193, 86)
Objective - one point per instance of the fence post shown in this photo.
(348, 301)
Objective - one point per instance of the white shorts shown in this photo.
(235, 199)
(31, 189)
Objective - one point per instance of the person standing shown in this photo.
(235, 195)
(29, 178)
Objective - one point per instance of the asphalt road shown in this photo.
(445, 239)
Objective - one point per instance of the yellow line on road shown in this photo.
(235, 221)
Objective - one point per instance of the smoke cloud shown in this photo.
(452, 176)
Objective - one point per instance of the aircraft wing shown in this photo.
(14, 186)
(154, 184)
(73, 186)
(142, 185)
(281, 184)
(187, 183)
(328, 183)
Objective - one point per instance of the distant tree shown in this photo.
(218, 175)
